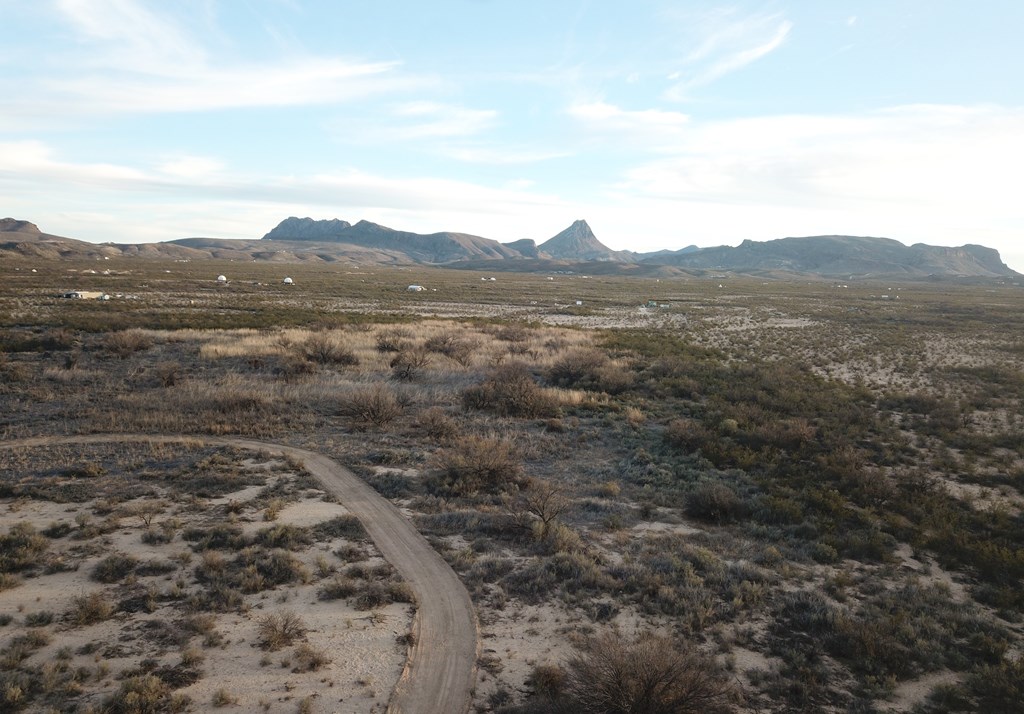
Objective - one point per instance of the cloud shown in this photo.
(128, 58)
(501, 155)
(433, 119)
(725, 43)
(646, 126)
(122, 31)
(34, 166)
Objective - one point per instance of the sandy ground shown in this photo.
(365, 655)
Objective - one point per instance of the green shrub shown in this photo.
(715, 501)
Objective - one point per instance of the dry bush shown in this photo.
(378, 405)
(438, 425)
(408, 364)
(309, 658)
(89, 609)
(509, 390)
(648, 675)
(473, 464)
(327, 349)
(578, 367)
(146, 694)
(394, 340)
(293, 367)
(450, 345)
(21, 548)
(280, 629)
(547, 680)
(168, 373)
(125, 343)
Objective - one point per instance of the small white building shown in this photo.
(288, 281)
(415, 289)
(222, 279)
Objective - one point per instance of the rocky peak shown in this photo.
(13, 225)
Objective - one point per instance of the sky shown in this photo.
(663, 123)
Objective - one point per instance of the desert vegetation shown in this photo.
(774, 497)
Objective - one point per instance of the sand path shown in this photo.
(441, 666)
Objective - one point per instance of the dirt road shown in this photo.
(441, 666)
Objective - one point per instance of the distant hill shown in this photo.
(437, 248)
(578, 242)
(575, 249)
(842, 256)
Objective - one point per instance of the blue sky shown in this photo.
(662, 123)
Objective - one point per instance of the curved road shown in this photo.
(441, 665)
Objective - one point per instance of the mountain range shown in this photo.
(574, 249)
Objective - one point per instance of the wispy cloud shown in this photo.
(433, 119)
(605, 117)
(725, 43)
(128, 57)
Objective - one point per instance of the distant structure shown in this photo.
(222, 280)
(415, 289)
(288, 281)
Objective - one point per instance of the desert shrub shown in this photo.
(391, 484)
(393, 340)
(569, 572)
(309, 658)
(715, 501)
(999, 687)
(145, 694)
(451, 345)
(510, 390)
(89, 609)
(21, 547)
(377, 405)
(280, 629)
(438, 425)
(125, 343)
(221, 536)
(223, 698)
(284, 536)
(647, 675)
(577, 368)
(57, 529)
(274, 568)
(38, 619)
(114, 568)
(168, 373)
(473, 464)
(327, 349)
(688, 434)
(347, 526)
(337, 588)
(547, 680)
(408, 365)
